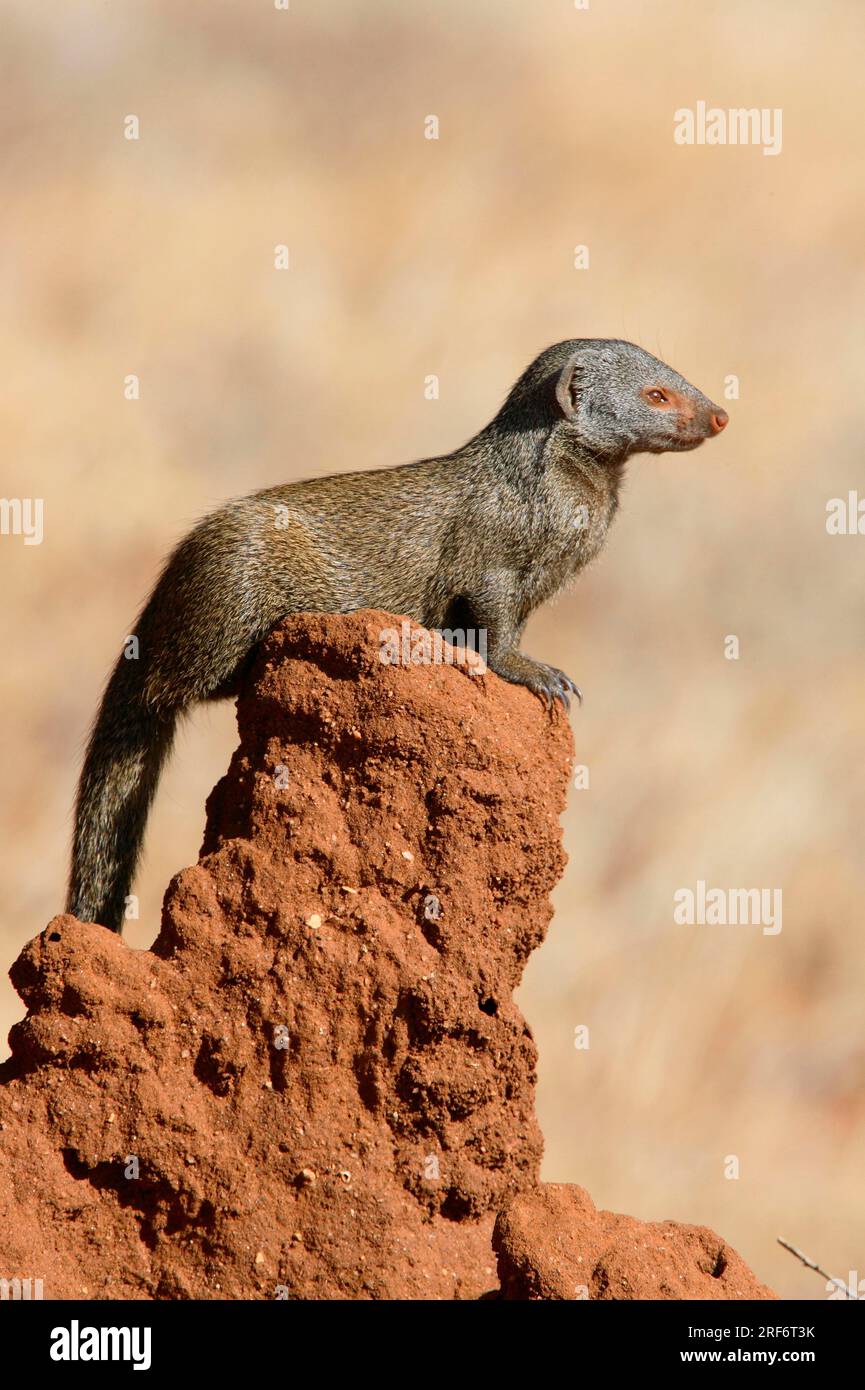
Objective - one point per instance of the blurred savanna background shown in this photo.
(454, 257)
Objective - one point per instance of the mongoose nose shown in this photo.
(719, 420)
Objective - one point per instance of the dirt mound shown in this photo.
(553, 1243)
(316, 1083)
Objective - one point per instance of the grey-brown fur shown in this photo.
(478, 538)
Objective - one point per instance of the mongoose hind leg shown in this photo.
(229, 688)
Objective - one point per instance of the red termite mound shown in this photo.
(316, 1083)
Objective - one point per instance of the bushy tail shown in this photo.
(128, 746)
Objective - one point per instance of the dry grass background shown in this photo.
(455, 257)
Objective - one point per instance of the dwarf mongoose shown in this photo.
(476, 539)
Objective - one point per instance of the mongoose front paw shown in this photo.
(547, 681)
(552, 684)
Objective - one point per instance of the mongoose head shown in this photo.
(614, 399)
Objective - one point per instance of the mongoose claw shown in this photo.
(573, 688)
(552, 685)
(567, 688)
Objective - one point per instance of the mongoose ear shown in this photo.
(569, 385)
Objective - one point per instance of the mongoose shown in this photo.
(475, 539)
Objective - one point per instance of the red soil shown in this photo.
(316, 1083)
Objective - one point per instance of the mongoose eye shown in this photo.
(657, 397)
